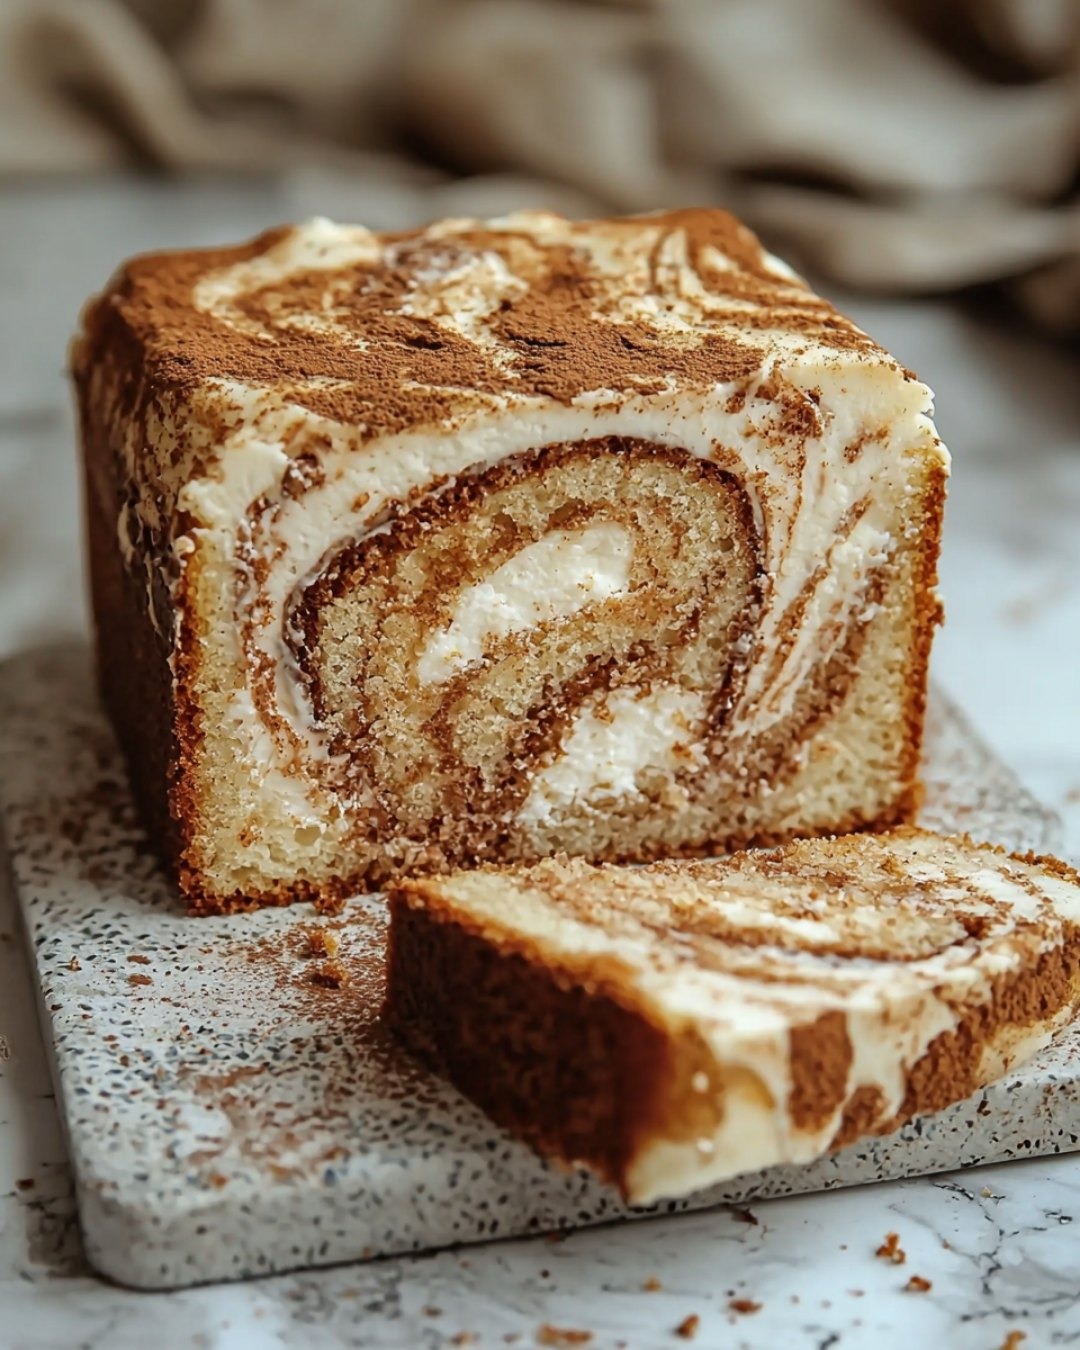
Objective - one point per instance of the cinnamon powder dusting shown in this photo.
(352, 344)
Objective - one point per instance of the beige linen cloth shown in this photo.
(894, 145)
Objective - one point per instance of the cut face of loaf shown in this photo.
(676, 1025)
(498, 539)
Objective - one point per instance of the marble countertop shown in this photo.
(999, 1246)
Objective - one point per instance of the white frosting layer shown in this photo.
(612, 742)
(909, 971)
(552, 578)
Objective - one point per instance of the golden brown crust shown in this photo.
(134, 675)
(577, 1076)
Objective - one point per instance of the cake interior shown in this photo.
(544, 656)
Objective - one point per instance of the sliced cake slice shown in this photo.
(681, 1023)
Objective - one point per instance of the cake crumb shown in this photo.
(462, 1338)
(25, 1184)
(549, 1335)
(330, 975)
(321, 942)
(138, 959)
(918, 1285)
(140, 979)
(688, 1327)
(744, 1215)
(651, 1285)
(74, 964)
(431, 1312)
(1013, 1339)
(744, 1305)
(890, 1250)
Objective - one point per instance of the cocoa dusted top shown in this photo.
(389, 331)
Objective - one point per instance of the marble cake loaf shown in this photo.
(496, 539)
(680, 1024)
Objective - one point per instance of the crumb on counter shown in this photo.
(548, 1335)
(651, 1285)
(744, 1305)
(918, 1285)
(688, 1327)
(890, 1250)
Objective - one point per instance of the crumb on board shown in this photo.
(890, 1250)
(462, 1338)
(688, 1327)
(744, 1305)
(321, 942)
(1013, 1339)
(329, 975)
(136, 958)
(918, 1285)
(25, 1184)
(546, 1334)
(140, 979)
(651, 1285)
(431, 1311)
(74, 964)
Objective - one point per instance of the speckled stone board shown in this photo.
(228, 1115)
